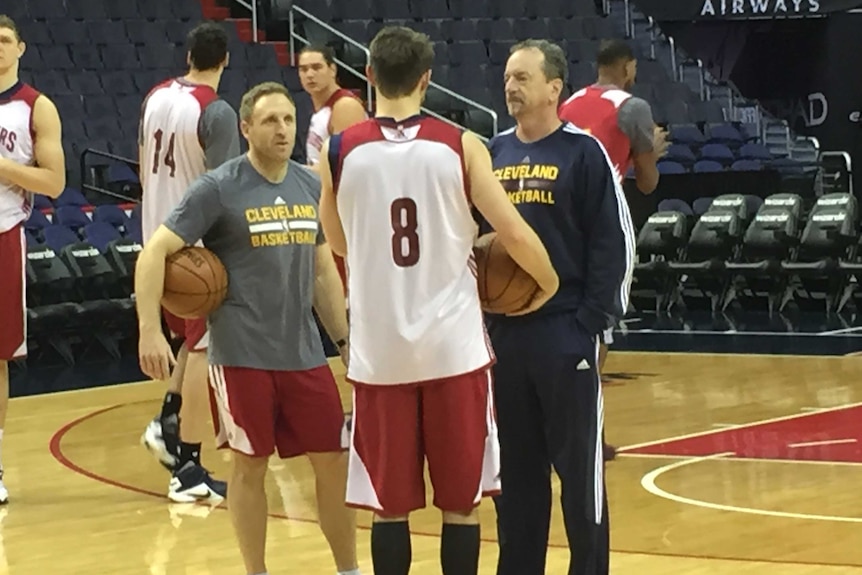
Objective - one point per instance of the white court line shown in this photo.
(725, 425)
(648, 482)
(744, 333)
(747, 459)
(826, 442)
(739, 426)
(840, 331)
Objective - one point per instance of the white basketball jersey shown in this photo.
(16, 144)
(403, 198)
(319, 127)
(172, 156)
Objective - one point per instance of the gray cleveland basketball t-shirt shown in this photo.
(266, 235)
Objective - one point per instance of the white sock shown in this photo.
(351, 572)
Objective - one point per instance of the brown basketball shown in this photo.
(503, 286)
(195, 283)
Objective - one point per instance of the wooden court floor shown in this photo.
(703, 489)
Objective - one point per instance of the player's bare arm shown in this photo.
(519, 239)
(329, 218)
(329, 297)
(154, 352)
(48, 176)
(345, 113)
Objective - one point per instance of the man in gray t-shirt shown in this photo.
(271, 385)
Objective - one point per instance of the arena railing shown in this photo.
(94, 186)
(296, 35)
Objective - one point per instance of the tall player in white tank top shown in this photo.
(31, 162)
(185, 130)
(335, 108)
(396, 203)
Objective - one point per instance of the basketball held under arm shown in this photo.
(518, 238)
(48, 176)
(150, 277)
(329, 218)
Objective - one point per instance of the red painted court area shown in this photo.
(825, 436)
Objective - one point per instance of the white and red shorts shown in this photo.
(256, 412)
(13, 295)
(194, 332)
(450, 422)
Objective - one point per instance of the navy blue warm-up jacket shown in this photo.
(565, 188)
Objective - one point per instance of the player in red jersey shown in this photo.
(185, 130)
(624, 124)
(31, 161)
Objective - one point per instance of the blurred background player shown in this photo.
(419, 359)
(550, 407)
(185, 130)
(31, 161)
(334, 107)
(272, 386)
(624, 124)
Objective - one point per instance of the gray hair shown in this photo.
(555, 65)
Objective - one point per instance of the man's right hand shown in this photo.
(155, 355)
(660, 142)
(540, 298)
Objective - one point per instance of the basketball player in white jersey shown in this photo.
(185, 130)
(31, 162)
(334, 108)
(396, 203)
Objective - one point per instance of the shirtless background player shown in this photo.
(185, 130)
(31, 161)
(623, 124)
(396, 202)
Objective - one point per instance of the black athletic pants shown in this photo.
(550, 415)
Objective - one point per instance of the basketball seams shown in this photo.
(181, 273)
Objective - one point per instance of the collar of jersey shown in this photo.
(393, 123)
(7, 95)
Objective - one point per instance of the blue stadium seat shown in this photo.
(34, 32)
(107, 32)
(143, 32)
(71, 197)
(717, 152)
(41, 202)
(58, 237)
(70, 32)
(754, 151)
(46, 9)
(85, 83)
(121, 10)
(707, 166)
(688, 134)
(670, 167)
(746, 166)
(675, 205)
(121, 83)
(100, 235)
(111, 214)
(36, 223)
(428, 9)
(468, 9)
(680, 153)
(120, 57)
(71, 217)
(53, 83)
(156, 9)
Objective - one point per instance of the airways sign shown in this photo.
(694, 10)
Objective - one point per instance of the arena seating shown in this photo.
(98, 59)
(749, 252)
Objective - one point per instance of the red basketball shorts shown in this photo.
(193, 331)
(13, 297)
(449, 422)
(256, 412)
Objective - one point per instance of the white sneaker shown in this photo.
(4, 493)
(154, 440)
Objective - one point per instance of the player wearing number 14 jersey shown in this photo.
(185, 130)
(396, 202)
